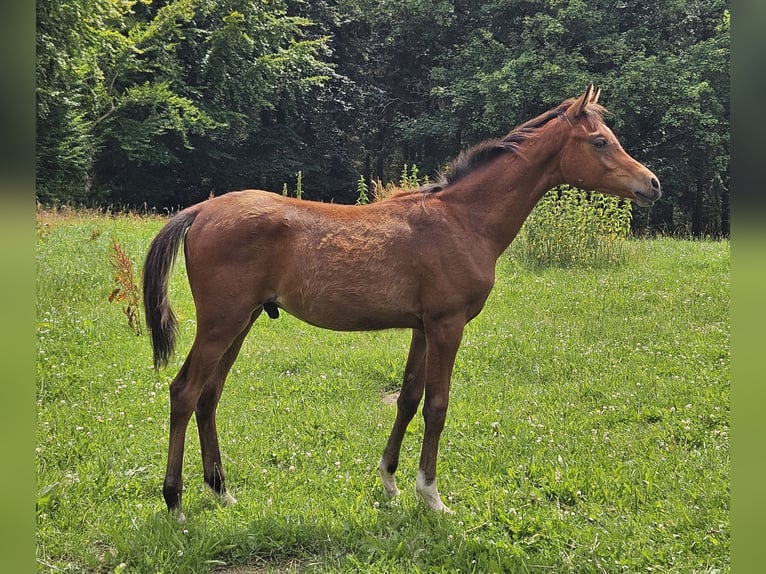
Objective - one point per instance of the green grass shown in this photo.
(588, 427)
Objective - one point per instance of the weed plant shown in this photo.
(408, 179)
(362, 192)
(588, 428)
(570, 227)
(298, 186)
(127, 290)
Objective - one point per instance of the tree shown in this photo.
(674, 111)
(149, 83)
(109, 75)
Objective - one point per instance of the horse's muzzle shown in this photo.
(646, 198)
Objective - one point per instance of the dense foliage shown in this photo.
(162, 103)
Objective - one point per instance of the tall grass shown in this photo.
(570, 227)
(587, 431)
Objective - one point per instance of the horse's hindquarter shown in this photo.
(334, 266)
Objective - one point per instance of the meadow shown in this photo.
(588, 428)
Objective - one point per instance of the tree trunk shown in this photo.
(698, 220)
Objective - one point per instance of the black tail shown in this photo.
(160, 319)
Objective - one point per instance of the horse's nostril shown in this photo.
(655, 183)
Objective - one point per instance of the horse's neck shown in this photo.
(497, 200)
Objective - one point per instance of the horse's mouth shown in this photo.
(644, 199)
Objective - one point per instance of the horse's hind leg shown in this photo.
(406, 407)
(185, 391)
(198, 373)
(206, 425)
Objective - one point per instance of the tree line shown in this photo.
(163, 103)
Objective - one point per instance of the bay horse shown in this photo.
(422, 260)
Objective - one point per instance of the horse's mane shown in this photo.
(483, 153)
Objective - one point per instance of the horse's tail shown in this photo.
(160, 258)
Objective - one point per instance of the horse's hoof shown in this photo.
(430, 495)
(223, 498)
(389, 482)
(178, 514)
(227, 499)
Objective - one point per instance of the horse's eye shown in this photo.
(600, 143)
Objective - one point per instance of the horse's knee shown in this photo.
(435, 412)
(407, 404)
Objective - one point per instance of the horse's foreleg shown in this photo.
(442, 342)
(406, 407)
(206, 425)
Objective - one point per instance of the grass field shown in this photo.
(588, 428)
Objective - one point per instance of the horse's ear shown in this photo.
(596, 94)
(579, 105)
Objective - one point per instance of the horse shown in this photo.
(422, 260)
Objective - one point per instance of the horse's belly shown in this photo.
(343, 311)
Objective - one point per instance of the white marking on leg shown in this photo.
(227, 499)
(223, 498)
(430, 494)
(388, 480)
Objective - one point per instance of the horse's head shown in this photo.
(592, 158)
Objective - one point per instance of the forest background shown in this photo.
(159, 104)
